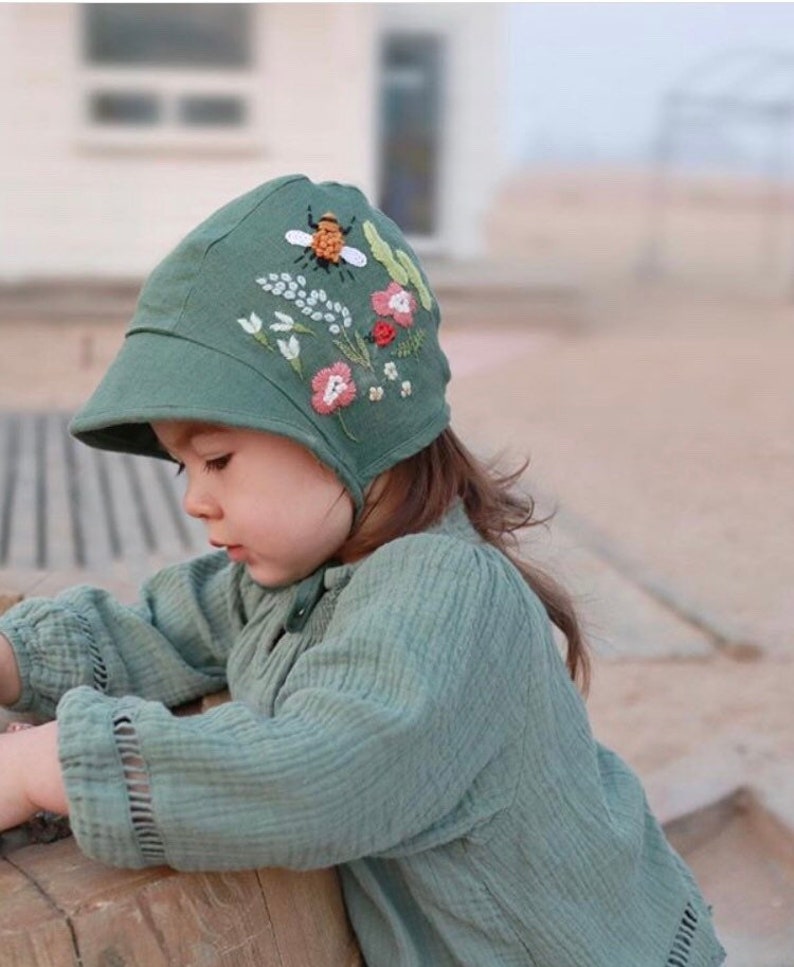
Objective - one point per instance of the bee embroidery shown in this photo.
(326, 245)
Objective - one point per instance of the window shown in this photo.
(410, 130)
(159, 74)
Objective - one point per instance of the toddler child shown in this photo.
(399, 708)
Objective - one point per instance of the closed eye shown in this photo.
(217, 463)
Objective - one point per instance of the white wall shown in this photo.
(474, 136)
(71, 209)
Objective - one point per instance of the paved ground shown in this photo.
(663, 433)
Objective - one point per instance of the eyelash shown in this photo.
(210, 466)
(218, 463)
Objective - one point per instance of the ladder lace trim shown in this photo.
(682, 942)
(136, 778)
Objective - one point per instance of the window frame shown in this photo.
(168, 84)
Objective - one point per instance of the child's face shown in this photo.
(263, 498)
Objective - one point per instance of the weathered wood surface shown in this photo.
(67, 507)
(60, 909)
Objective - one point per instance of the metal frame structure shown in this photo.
(742, 89)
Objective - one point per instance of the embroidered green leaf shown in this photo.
(297, 327)
(346, 347)
(381, 250)
(296, 365)
(415, 278)
(364, 349)
(411, 345)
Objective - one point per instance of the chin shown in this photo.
(270, 576)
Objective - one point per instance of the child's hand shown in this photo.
(30, 774)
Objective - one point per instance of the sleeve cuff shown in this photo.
(47, 672)
(105, 780)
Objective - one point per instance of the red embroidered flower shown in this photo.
(333, 387)
(383, 333)
(396, 302)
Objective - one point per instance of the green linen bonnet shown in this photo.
(297, 309)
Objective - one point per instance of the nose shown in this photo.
(199, 503)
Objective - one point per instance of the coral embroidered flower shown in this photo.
(396, 302)
(333, 388)
(383, 333)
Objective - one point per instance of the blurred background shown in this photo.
(602, 194)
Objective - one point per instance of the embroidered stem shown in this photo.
(358, 353)
(347, 432)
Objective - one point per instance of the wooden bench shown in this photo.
(69, 508)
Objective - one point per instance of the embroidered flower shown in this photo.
(396, 302)
(285, 324)
(290, 349)
(390, 371)
(383, 333)
(252, 325)
(333, 388)
(405, 388)
(375, 393)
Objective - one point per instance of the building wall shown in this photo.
(473, 152)
(72, 208)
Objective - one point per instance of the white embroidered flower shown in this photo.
(334, 329)
(285, 323)
(405, 388)
(375, 393)
(290, 348)
(252, 325)
(390, 371)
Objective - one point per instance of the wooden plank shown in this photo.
(95, 519)
(309, 918)
(33, 933)
(60, 546)
(22, 525)
(10, 469)
(160, 918)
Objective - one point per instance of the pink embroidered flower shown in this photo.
(395, 302)
(383, 333)
(333, 387)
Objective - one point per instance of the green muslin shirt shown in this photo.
(415, 725)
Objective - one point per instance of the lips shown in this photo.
(236, 552)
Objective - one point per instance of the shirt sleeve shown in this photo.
(171, 646)
(379, 734)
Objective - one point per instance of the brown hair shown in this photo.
(418, 492)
